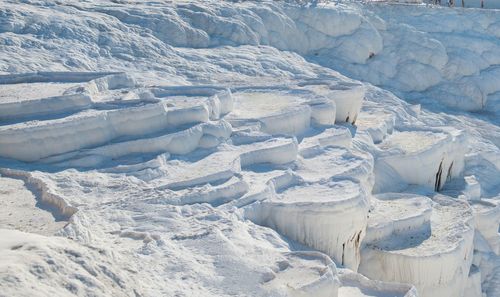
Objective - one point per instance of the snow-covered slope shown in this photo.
(211, 148)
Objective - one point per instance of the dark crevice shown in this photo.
(439, 173)
(448, 176)
(343, 252)
(354, 120)
(358, 240)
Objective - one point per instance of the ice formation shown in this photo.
(193, 148)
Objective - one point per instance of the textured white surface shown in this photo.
(160, 133)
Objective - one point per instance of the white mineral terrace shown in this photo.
(356, 285)
(306, 274)
(333, 221)
(412, 142)
(10, 93)
(348, 97)
(121, 124)
(377, 124)
(433, 255)
(276, 112)
(255, 104)
(277, 160)
(487, 219)
(428, 158)
(286, 179)
(338, 136)
(396, 214)
(36, 217)
(322, 164)
(298, 148)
